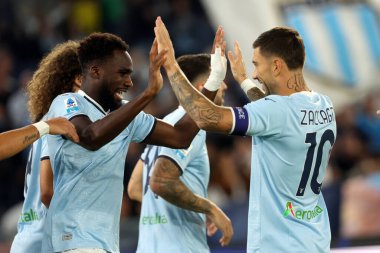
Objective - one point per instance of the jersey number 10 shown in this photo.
(328, 135)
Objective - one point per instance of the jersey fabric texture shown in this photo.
(88, 185)
(292, 139)
(165, 227)
(30, 224)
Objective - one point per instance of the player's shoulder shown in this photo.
(269, 102)
(69, 97)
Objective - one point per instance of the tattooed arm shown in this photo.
(166, 183)
(14, 141)
(205, 113)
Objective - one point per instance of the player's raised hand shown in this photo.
(218, 62)
(156, 59)
(378, 112)
(223, 223)
(219, 41)
(62, 126)
(237, 64)
(164, 42)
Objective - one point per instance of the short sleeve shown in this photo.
(182, 157)
(44, 148)
(142, 126)
(68, 105)
(267, 116)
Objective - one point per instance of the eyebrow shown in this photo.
(125, 71)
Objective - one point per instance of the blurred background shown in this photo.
(342, 41)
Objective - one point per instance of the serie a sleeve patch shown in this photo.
(71, 105)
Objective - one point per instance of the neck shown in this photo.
(294, 82)
(97, 94)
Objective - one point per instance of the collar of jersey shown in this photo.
(83, 94)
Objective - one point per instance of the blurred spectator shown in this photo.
(361, 204)
(369, 123)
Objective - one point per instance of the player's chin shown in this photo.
(118, 96)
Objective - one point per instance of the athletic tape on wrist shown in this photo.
(247, 84)
(218, 70)
(42, 127)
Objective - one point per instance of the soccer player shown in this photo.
(172, 183)
(84, 212)
(293, 130)
(13, 141)
(59, 72)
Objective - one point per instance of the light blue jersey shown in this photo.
(30, 225)
(292, 139)
(88, 185)
(165, 227)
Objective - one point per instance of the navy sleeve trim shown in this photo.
(151, 131)
(45, 158)
(174, 161)
(241, 120)
(96, 106)
(77, 115)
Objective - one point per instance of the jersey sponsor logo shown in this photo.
(300, 214)
(29, 216)
(182, 153)
(154, 219)
(67, 237)
(71, 105)
(269, 99)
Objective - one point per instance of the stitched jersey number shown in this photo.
(329, 136)
(28, 169)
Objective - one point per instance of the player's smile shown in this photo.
(119, 94)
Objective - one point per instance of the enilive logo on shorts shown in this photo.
(300, 214)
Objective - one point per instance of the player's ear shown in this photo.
(277, 66)
(95, 72)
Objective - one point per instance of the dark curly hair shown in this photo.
(194, 65)
(55, 75)
(285, 43)
(98, 47)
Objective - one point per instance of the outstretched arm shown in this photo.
(166, 183)
(204, 112)
(93, 135)
(14, 141)
(184, 130)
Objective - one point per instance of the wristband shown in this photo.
(42, 127)
(247, 84)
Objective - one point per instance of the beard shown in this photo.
(108, 98)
